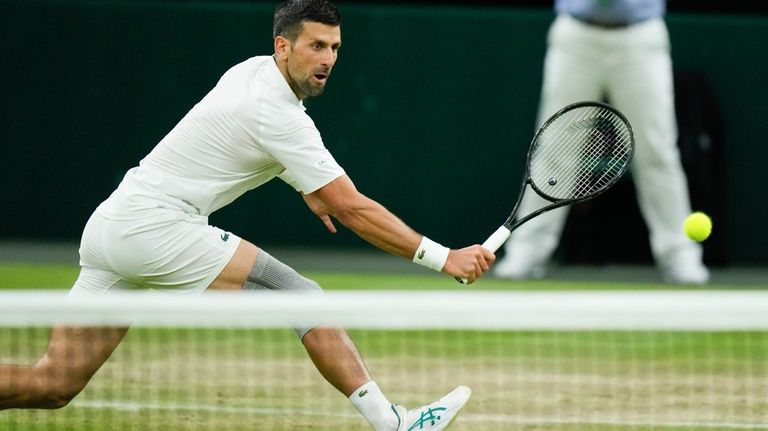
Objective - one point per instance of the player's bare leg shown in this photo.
(336, 357)
(73, 356)
(331, 350)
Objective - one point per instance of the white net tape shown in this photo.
(681, 310)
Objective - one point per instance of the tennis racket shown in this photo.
(577, 154)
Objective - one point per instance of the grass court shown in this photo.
(261, 379)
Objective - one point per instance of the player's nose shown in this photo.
(329, 58)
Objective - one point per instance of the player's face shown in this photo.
(310, 58)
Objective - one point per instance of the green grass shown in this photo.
(30, 276)
(238, 379)
(260, 380)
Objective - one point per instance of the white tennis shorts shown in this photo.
(163, 249)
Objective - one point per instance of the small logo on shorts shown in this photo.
(225, 236)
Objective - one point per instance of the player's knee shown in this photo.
(61, 393)
(311, 287)
(269, 273)
(56, 391)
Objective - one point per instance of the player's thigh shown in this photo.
(237, 270)
(94, 281)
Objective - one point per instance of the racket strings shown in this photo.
(580, 153)
(589, 171)
(580, 172)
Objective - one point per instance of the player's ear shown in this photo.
(282, 47)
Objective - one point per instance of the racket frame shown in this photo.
(512, 224)
(500, 236)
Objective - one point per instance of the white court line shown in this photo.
(474, 418)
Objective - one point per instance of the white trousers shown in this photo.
(632, 68)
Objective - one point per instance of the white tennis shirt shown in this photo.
(248, 129)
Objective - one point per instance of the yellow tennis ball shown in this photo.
(698, 226)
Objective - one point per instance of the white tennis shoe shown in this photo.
(684, 266)
(519, 264)
(433, 417)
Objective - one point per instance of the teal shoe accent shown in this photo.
(427, 415)
(399, 421)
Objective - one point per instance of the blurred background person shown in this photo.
(616, 51)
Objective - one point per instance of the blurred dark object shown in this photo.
(611, 230)
(702, 150)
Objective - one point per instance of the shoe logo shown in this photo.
(427, 415)
(422, 253)
(362, 393)
(225, 236)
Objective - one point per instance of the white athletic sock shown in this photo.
(374, 406)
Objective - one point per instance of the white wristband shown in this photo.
(431, 254)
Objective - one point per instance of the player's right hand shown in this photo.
(469, 263)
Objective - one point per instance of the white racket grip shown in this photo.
(493, 243)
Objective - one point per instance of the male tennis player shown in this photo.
(153, 231)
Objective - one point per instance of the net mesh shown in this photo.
(554, 361)
(580, 152)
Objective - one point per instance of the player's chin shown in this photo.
(314, 88)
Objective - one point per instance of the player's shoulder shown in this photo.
(259, 96)
(256, 62)
(246, 69)
(258, 79)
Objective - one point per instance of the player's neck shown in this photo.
(283, 68)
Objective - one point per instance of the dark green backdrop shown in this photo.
(430, 110)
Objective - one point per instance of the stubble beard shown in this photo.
(311, 90)
(304, 85)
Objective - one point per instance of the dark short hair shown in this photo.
(291, 14)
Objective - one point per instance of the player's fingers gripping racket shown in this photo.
(578, 153)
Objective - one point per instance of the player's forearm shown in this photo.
(377, 225)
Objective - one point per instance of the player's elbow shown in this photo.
(350, 217)
(351, 211)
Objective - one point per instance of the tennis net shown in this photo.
(535, 360)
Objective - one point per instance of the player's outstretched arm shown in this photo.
(377, 225)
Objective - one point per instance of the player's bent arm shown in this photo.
(377, 225)
(364, 216)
